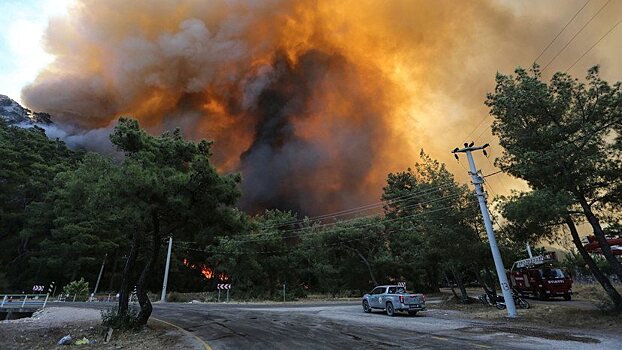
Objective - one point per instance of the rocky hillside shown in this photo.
(14, 114)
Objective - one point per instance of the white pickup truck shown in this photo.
(393, 298)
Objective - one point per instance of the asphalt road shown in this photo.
(345, 326)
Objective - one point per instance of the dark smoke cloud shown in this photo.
(281, 169)
(313, 101)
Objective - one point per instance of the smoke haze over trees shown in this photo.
(335, 91)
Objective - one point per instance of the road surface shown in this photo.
(345, 326)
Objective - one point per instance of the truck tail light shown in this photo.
(401, 299)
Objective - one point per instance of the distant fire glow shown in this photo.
(207, 272)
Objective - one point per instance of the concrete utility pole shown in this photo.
(100, 276)
(168, 263)
(496, 255)
(529, 250)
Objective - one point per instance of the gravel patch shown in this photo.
(48, 326)
(58, 316)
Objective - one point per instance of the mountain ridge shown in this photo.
(15, 114)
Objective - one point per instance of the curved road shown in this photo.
(345, 326)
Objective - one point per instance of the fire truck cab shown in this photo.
(538, 276)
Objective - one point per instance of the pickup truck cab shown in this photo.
(393, 298)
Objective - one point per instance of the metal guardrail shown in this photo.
(23, 300)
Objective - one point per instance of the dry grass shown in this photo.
(593, 293)
(549, 314)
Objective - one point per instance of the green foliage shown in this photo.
(575, 263)
(445, 216)
(562, 136)
(535, 216)
(430, 227)
(126, 321)
(29, 161)
(80, 287)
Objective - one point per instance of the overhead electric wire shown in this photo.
(575, 35)
(375, 205)
(477, 127)
(482, 133)
(535, 60)
(593, 46)
(302, 229)
(324, 245)
(561, 31)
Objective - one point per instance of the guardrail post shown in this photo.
(74, 298)
(4, 300)
(24, 302)
(46, 300)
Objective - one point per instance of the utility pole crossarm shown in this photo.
(478, 180)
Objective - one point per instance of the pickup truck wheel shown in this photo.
(390, 309)
(567, 296)
(366, 307)
(542, 295)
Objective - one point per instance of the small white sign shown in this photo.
(224, 286)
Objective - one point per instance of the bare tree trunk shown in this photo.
(371, 272)
(464, 296)
(600, 236)
(491, 281)
(126, 279)
(143, 299)
(113, 274)
(591, 264)
(483, 283)
(451, 285)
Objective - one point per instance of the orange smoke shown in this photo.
(313, 101)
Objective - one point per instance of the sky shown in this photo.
(434, 60)
(22, 55)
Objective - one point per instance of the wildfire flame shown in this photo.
(206, 271)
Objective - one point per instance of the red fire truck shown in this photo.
(539, 277)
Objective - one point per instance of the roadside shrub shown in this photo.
(80, 287)
(128, 321)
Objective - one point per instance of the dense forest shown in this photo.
(63, 212)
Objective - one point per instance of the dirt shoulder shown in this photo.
(47, 327)
(542, 315)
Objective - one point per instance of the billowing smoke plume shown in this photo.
(313, 101)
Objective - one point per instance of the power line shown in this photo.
(325, 232)
(493, 174)
(300, 230)
(366, 207)
(596, 43)
(561, 31)
(466, 139)
(267, 237)
(575, 35)
(482, 133)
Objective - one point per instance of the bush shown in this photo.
(80, 287)
(128, 321)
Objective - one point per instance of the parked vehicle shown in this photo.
(393, 298)
(539, 277)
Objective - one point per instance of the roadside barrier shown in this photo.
(24, 300)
